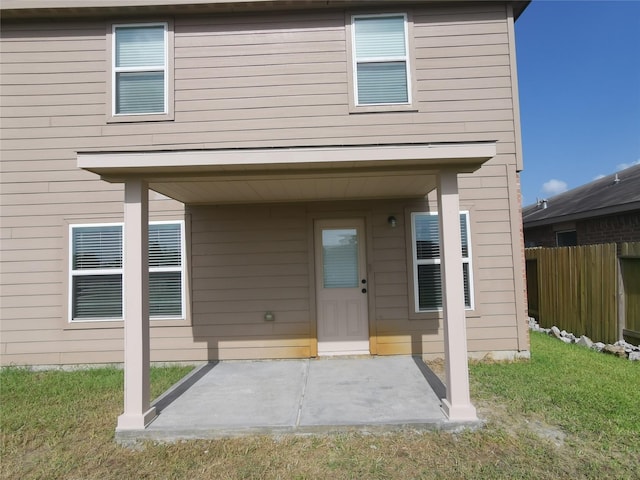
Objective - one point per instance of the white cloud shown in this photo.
(598, 177)
(554, 187)
(622, 166)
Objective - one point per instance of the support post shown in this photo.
(457, 404)
(137, 411)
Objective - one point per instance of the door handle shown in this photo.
(364, 290)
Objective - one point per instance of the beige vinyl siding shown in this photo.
(247, 260)
(236, 74)
(250, 80)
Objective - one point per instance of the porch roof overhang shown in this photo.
(290, 174)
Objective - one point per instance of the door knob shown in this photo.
(364, 290)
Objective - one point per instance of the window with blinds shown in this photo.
(140, 69)
(97, 268)
(426, 259)
(340, 258)
(165, 270)
(381, 60)
(96, 272)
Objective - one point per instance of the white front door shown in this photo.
(341, 287)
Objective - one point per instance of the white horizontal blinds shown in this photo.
(340, 258)
(97, 247)
(466, 277)
(140, 64)
(97, 297)
(427, 258)
(165, 294)
(427, 237)
(140, 46)
(466, 259)
(429, 287)
(165, 270)
(428, 270)
(380, 83)
(96, 270)
(381, 61)
(165, 245)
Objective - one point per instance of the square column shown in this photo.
(457, 405)
(135, 288)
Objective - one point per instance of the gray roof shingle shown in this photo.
(615, 193)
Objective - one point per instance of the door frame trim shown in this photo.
(312, 217)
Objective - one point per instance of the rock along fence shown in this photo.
(619, 348)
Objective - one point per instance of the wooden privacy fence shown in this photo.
(582, 289)
(630, 277)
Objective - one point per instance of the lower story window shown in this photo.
(426, 261)
(96, 281)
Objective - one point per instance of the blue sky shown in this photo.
(579, 82)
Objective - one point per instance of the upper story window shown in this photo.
(426, 261)
(141, 79)
(380, 51)
(140, 63)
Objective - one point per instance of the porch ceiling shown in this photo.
(290, 188)
(291, 174)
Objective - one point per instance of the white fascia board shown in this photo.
(473, 151)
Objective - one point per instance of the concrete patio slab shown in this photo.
(238, 395)
(235, 398)
(368, 391)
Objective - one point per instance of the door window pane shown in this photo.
(340, 258)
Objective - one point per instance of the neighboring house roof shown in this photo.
(615, 193)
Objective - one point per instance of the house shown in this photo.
(193, 180)
(606, 210)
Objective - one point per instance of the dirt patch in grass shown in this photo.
(437, 367)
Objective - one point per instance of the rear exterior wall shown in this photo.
(250, 81)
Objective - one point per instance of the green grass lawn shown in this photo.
(568, 413)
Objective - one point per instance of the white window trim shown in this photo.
(405, 58)
(115, 70)
(115, 271)
(437, 261)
